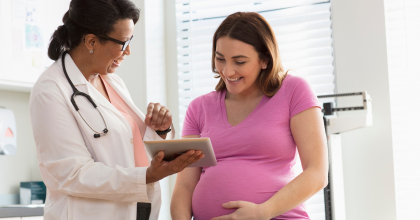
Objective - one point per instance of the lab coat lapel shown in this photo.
(127, 99)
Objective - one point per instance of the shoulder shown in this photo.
(292, 84)
(204, 103)
(293, 81)
(49, 79)
(209, 99)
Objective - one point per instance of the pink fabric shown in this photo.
(136, 124)
(255, 158)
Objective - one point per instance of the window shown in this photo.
(403, 47)
(303, 32)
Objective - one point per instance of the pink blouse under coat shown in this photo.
(137, 125)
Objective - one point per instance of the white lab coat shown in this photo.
(86, 177)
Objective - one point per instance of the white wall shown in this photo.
(361, 65)
(172, 72)
(133, 70)
(23, 166)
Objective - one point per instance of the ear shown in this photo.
(263, 64)
(90, 41)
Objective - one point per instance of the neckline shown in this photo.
(107, 87)
(263, 100)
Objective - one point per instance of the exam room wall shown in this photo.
(23, 166)
(361, 65)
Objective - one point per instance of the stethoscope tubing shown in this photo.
(76, 92)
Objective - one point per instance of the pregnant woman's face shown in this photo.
(238, 64)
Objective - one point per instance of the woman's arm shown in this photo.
(308, 132)
(183, 191)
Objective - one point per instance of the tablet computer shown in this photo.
(175, 148)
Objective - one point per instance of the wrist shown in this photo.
(266, 212)
(163, 129)
(163, 132)
(150, 178)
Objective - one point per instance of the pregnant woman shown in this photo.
(258, 118)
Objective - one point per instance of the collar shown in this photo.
(75, 75)
(80, 82)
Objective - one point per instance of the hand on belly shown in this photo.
(244, 210)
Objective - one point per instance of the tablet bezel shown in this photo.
(176, 146)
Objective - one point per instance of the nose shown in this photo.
(127, 50)
(228, 70)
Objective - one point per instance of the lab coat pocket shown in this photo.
(85, 208)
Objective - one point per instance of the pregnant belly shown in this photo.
(233, 181)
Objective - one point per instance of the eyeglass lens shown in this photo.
(126, 44)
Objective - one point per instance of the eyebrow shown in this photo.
(234, 57)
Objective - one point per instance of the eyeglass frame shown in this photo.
(124, 44)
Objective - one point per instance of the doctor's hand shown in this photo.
(160, 169)
(245, 211)
(158, 117)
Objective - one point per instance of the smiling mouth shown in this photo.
(234, 79)
(118, 62)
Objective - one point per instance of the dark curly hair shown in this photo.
(89, 17)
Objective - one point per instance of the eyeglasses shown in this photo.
(124, 44)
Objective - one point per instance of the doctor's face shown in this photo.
(109, 55)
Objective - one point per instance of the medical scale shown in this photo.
(333, 194)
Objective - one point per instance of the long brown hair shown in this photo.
(251, 28)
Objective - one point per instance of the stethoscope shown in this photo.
(76, 93)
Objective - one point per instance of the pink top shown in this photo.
(137, 125)
(255, 158)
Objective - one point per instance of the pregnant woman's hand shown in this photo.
(158, 117)
(245, 211)
(160, 169)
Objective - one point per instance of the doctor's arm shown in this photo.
(308, 132)
(65, 162)
(186, 181)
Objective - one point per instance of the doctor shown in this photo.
(88, 132)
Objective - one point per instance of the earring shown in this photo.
(90, 51)
(264, 67)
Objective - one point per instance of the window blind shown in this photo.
(303, 32)
(403, 47)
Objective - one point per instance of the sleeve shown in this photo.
(151, 135)
(65, 162)
(191, 122)
(302, 96)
